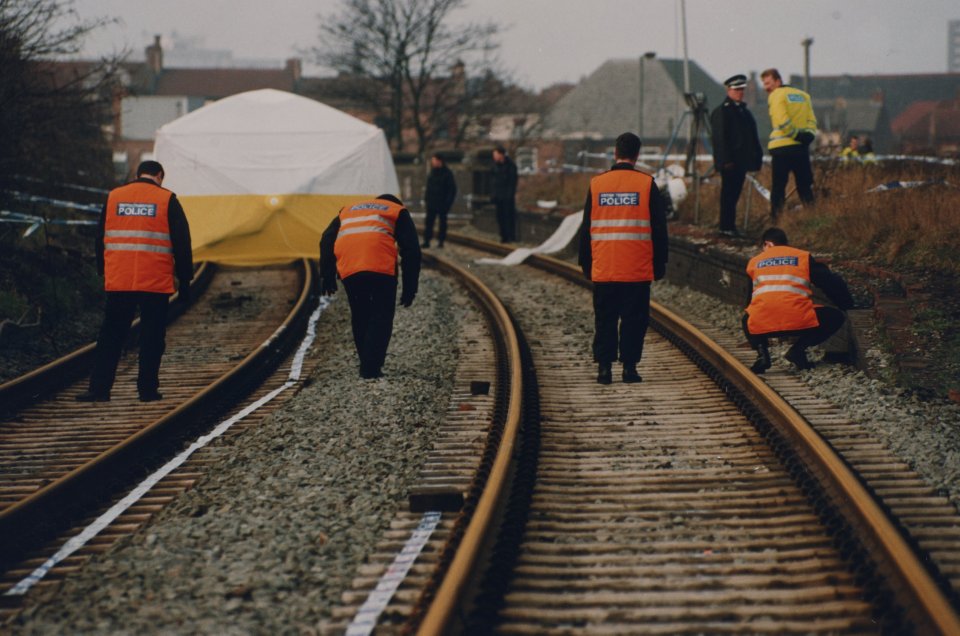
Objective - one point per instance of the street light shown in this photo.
(649, 55)
(807, 42)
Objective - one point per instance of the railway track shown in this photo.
(696, 502)
(62, 461)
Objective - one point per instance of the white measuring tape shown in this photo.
(369, 613)
(79, 540)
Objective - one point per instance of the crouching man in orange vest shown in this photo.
(143, 243)
(361, 245)
(781, 303)
(623, 247)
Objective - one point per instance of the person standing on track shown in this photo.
(781, 304)
(736, 150)
(361, 245)
(439, 197)
(504, 194)
(794, 129)
(143, 243)
(623, 247)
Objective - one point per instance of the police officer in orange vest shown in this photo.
(781, 304)
(361, 245)
(143, 244)
(623, 247)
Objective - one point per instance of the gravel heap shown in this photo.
(267, 542)
(924, 434)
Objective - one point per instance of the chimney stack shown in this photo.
(155, 55)
(295, 68)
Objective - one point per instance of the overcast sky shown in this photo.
(547, 41)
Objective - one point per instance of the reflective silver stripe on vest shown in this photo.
(784, 277)
(367, 219)
(619, 223)
(361, 230)
(161, 236)
(621, 236)
(137, 247)
(790, 289)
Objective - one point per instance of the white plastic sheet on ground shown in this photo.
(560, 238)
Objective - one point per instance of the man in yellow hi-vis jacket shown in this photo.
(794, 127)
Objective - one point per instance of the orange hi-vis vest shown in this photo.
(366, 241)
(137, 251)
(782, 292)
(620, 240)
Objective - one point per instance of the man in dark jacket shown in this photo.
(361, 246)
(736, 150)
(439, 197)
(504, 193)
(142, 246)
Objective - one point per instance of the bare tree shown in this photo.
(414, 57)
(52, 113)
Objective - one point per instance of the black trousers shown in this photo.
(621, 317)
(118, 314)
(731, 185)
(373, 301)
(795, 159)
(432, 214)
(506, 219)
(830, 319)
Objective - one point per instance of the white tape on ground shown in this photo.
(369, 613)
(78, 541)
(560, 238)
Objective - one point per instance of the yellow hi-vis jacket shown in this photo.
(791, 113)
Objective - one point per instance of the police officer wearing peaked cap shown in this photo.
(736, 149)
(361, 246)
(143, 243)
(623, 247)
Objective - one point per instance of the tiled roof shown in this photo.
(897, 91)
(221, 82)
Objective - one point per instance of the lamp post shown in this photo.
(649, 55)
(806, 63)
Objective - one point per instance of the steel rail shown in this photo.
(915, 589)
(31, 386)
(39, 516)
(461, 570)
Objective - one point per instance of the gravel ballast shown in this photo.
(270, 538)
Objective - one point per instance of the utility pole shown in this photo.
(806, 64)
(649, 55)
(686, 61)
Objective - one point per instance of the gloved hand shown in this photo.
(659, 272)
(184, 292)
(406, 298)
(328, 287)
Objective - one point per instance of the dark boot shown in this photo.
(797, 355)
(605, 373)
(762, 363)
(630, 375)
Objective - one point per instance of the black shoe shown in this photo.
(371, 375)
(150, 396)
(798, 357)
(605, 374)
(630, 375)
(90, 396)
(762, 363)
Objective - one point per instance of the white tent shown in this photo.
(261, 174)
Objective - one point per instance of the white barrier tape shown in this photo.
(369, 613)
(560, 238)
(759, 187)
(902, 185)
(78, 541)
(92, 208)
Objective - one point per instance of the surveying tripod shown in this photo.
(699, 125)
